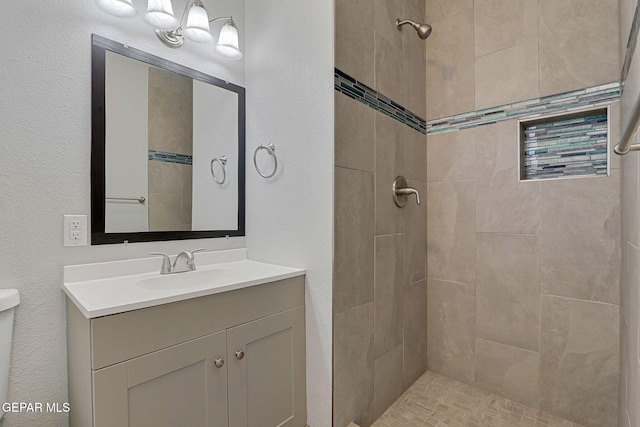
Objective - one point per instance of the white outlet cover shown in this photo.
(74, 230)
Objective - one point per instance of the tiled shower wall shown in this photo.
(630, 200)
(523, 278)
(379, 290)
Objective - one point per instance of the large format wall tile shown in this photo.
(630, 198)
(170, 121)
(354, 134)
(386, 12)
(416, 83)
(451, 329)
(578, 44)
(388, 290)
(415, 333)
(387, 380)
(580, 238)
(438, 10)
(353, 365)
(503, 203)
(496, 151)
(508, 371)
(579, 360)
(389, 74)
(450, 66)
(507, 289)
(507, 76)
(389, 164)
(451, 156)
(451, 231)
(624, 378)
(353, 239)
(500, 24)
(168, 178)
(633, 394)
(166, 212)
(415, 236)
(631, 302)
(415, 59)
(415, 155)
(354, 44)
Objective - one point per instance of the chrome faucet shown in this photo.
(184, 261)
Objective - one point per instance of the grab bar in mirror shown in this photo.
(140, 199)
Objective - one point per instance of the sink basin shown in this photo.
(190, 279)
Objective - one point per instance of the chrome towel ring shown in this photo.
(221, 161)
(271, 149)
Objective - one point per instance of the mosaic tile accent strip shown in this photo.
(437, 401)
(163, 156)
(631, 46)
(563, 147)
(565, 102)
(354, 89)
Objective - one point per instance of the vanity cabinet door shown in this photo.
(177, 386)
(267, 371)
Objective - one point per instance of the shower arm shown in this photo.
(400, 23)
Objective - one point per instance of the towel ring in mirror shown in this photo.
(221, 161)
(271, 149)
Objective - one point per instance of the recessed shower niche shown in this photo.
(566, 145)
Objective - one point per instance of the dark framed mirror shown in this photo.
(167, 149)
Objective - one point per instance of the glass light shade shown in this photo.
(227, 46)
(160, 15)
(122, 8)
(197, 28)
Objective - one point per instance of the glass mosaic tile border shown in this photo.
(354, 89)
(565, 146)
(596, 96)
(163, 156)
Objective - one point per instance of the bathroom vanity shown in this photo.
(220, 346)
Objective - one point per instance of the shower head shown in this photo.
(423, 30)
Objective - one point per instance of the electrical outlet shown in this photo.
(75, 230)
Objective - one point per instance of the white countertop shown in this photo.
(114, 287)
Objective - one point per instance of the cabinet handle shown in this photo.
(239, 354)
(219, 363)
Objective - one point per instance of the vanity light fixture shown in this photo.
(194, 24)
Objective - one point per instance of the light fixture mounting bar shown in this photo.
(220, 19)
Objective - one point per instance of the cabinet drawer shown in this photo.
(123, 336)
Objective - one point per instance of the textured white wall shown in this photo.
(45, 142)
(289, 80)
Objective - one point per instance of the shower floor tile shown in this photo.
(435, 401)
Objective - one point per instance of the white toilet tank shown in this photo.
(9, 298)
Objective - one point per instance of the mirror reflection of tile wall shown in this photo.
(170, 132)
